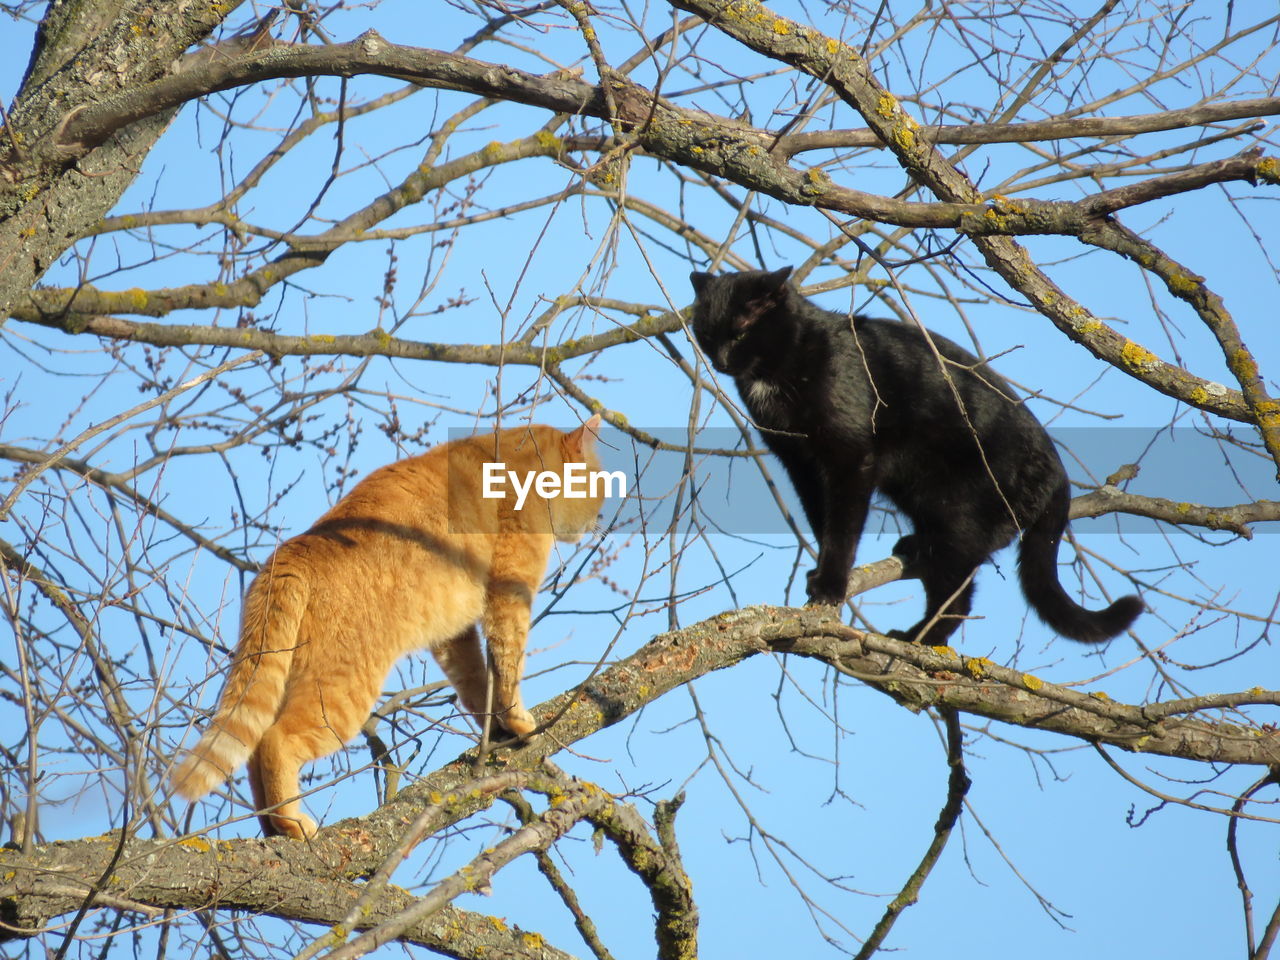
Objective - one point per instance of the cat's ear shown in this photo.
(699, 281)
(767, 293)
(581, 441)
(776, 280)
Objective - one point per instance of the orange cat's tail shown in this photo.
(273, 610)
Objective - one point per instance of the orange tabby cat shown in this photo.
(414, 556)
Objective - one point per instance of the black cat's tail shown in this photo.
(1038, 574)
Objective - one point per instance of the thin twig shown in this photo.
(957, 787)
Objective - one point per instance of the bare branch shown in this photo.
(957, 788)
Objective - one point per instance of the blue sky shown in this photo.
(857, 805)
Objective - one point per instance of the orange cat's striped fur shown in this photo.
(413, 557)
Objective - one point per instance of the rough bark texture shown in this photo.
(106, 137)
(106, 78)
(86, 52)
(313, 880)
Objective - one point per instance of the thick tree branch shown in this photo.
(1139, 362)
(376, 343)
(847, 74)
(716, 145)
(719, 146)
(371, 53)
(284, 880)
(1251, 167)
(44, 207)
(251, 874)
(711, 143)
(658, 864)
(1070, 128)
(1235, 518)
(1191, 289)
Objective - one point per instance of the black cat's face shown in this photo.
(731, 317)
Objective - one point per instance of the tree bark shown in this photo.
(288, 878)
(85, 51)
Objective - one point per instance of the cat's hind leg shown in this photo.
(254, 770)
(948, 586)
(316, 719)
(273, 775)
(461, 658)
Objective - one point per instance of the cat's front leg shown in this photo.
(506, 626)
(847, 497)
(507, 637)
(827, 588)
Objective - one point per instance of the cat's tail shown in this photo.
(273, 610)
(1038, 574)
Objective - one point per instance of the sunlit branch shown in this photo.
(1235, 518)
(576, 800)
(836, 64)
(111, 481)
(957, 788)
(183, 876)
(1073, 128)
(730, 149)
(1191, 288)
(658, 864)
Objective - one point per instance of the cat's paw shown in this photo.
(820, 597)
(296, 826)
(906, 547)
(518, 721)
(824, 600)
(823, 593)
(902, 635)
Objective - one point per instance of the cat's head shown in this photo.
(738, 318)
(561, 472)
(571, 517)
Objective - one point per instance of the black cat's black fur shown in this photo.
(853, 404)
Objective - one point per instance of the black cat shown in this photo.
(853, 404)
